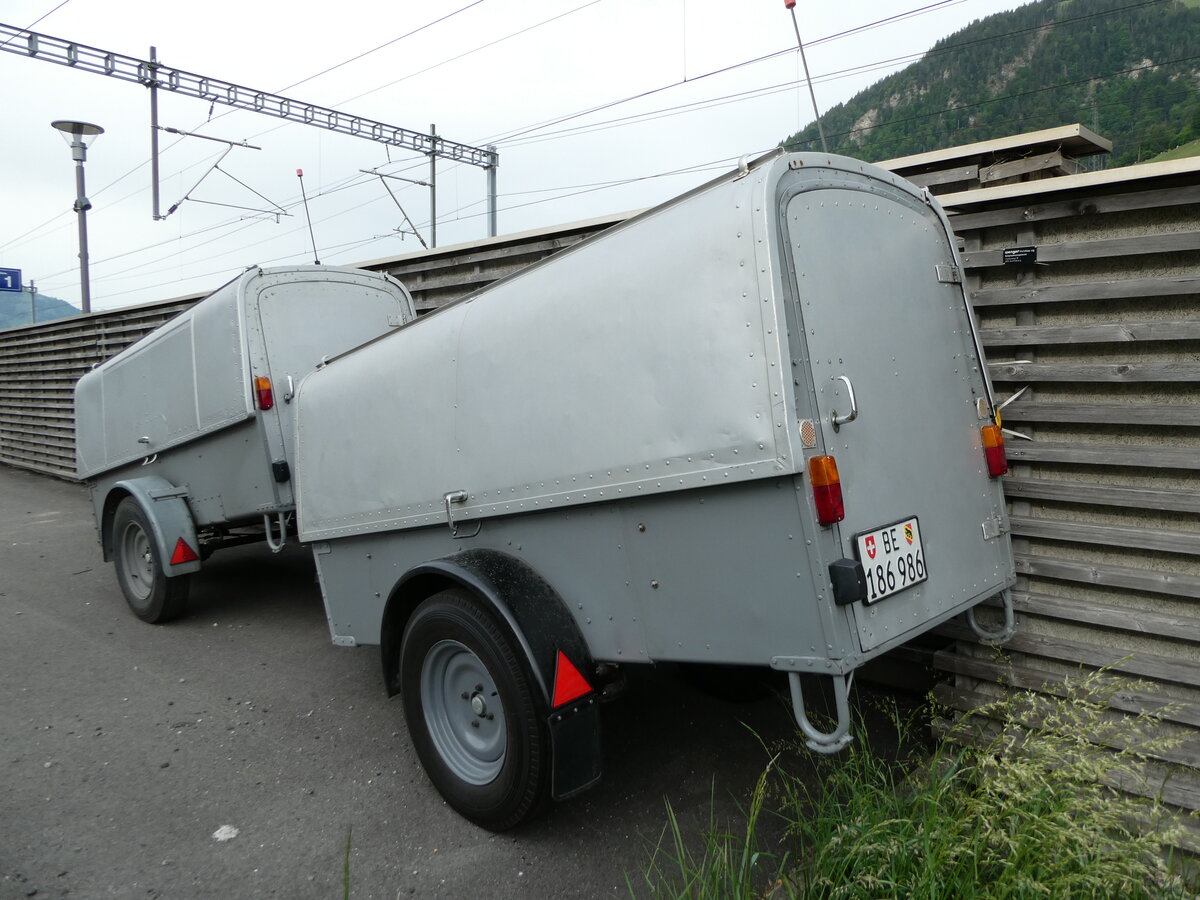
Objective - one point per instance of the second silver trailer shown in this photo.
(186, 438)
(752, 426)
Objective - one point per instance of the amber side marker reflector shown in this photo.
(993, 449)
(183, 553)
(569, 684)
(262, 388)
(827, 489)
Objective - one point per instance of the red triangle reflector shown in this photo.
(183, 553)
(568, 683)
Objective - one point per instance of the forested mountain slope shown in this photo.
(1127, 69)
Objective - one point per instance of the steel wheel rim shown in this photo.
(138, 559)
(463, 712)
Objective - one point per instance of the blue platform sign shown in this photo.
(10, 280)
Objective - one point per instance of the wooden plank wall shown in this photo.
(1102, 340)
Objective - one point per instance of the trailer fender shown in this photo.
(166, 509)
(538, 619)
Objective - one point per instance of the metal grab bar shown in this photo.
(993, 638)
(839, 421)
(822, 741)
(275, 546)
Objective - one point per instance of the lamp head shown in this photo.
(78, 135)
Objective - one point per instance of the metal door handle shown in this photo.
(452, 497)
(839, 421)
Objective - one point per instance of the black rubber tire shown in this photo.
(515, 786)
(151, 595)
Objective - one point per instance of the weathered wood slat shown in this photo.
(46, 463)
(1171, 414)
(530, 251)
(1139, 245)
(1026, 678)
(464, 281)
(1186, 753)
(1105, 333)
(1093, 454)
(1184, 195)
(95, 330)
(1185, 542)
(1174, 584)
(1117, 373)
(1015, 167)
(1118, 658)
(1120, 289)
(60, 443)
(944, 176)
(1105, 615)
(1102, 494)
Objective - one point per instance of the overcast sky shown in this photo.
(492, 71)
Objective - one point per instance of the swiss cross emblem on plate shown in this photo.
(870, 544)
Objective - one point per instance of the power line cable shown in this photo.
(508, 137)
(38, 19)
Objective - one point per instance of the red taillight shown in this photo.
(266, 397)
(827, 489)
(569, 684)
(993, 449)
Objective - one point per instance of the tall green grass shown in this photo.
(1011, 803)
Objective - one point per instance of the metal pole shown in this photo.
(491, 189)
(808, 78)
(32, 302)
(82, 205)
(154, 130)
(433, 186)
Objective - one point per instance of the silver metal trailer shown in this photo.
(751, 426)
(186, 437)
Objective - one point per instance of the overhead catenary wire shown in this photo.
(556, 198)
(460, 56)
(100, 191)
(40, 18)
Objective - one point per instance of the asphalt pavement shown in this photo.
(237, 753)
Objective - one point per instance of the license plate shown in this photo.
(892, 558)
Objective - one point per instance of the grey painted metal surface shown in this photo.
(627, 418)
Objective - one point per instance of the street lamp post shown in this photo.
(78, 135)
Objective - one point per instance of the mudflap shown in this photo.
(575, 738)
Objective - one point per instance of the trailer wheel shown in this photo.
(472, 714)
(151, 595)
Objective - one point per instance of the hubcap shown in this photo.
(463, 712)
(139, 560)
